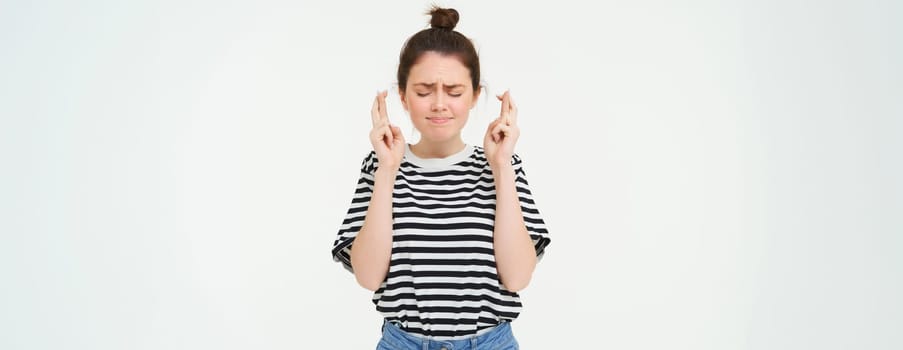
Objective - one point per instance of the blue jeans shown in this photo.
(499, 338)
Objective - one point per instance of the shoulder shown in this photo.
(370, 162)
(516, 160)
(480, 155)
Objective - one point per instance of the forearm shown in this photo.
(372, 247)
(515, 255)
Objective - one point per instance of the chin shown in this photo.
(438, 137)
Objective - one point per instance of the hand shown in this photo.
(502, 134)
(387, 140)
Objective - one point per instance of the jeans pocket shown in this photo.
(507, 342)
(390, 340)
(386, 345)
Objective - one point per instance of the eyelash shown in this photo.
(424, 95)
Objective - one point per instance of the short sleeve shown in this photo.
(357, 211)
(536, 226)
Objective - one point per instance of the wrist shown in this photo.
(386, 171)
(499, 159)
(501, 167)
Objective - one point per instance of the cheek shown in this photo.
(419, 106)
(460, 107)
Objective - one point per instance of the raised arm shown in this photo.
(515, 255)
(372, 248)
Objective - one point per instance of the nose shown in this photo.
(439, 101)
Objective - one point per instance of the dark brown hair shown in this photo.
(443, 39)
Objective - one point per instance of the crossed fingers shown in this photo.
(380, 118)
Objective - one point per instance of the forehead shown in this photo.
(433, 67)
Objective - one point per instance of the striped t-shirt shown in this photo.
(442, 280)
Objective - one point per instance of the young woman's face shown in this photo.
(439, 96)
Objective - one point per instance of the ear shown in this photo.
(476, 96)
(401, 97)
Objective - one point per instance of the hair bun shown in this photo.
(443, 18)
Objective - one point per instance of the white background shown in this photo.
(715, 175)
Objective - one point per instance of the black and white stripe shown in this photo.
(442, 280)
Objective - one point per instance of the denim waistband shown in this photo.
(394, 335)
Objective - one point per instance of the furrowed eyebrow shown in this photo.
(431, 85)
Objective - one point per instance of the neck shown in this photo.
(437, 149)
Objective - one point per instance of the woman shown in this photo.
(443, 232)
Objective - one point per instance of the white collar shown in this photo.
(436, 162)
